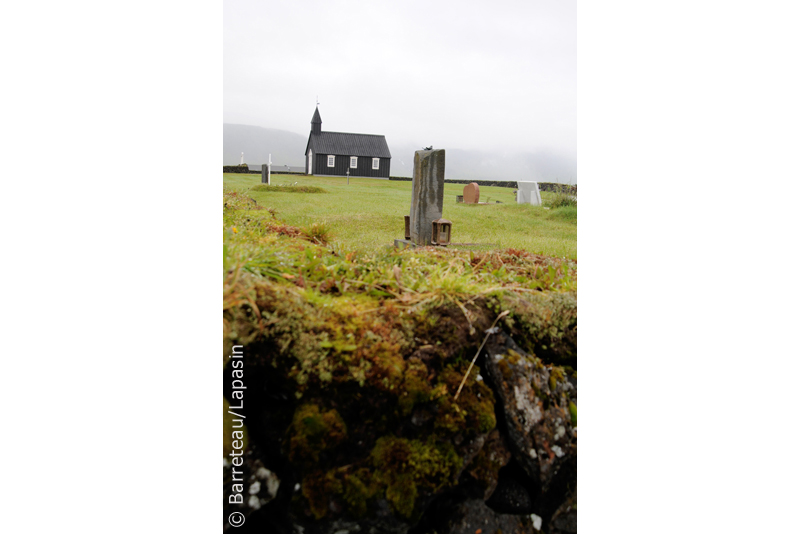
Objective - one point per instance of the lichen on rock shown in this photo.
(538, 403)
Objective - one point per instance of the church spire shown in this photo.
(316, 122)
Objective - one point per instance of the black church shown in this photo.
(335, 153)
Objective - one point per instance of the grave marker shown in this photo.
(528, 193)
(427, 194)
(472, 193)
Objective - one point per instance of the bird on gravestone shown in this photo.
(428, 148)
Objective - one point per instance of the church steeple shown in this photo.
(316, 123)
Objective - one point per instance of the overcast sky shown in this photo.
(498, 75)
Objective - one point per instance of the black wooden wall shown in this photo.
(342, 164)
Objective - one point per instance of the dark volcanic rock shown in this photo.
(565, 520)
(485, 468)
(536, 402)
(511, 497)
(474, 515)
(362, 426)
(248, 487)
(546, 324)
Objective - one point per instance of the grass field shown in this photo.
(368, 213)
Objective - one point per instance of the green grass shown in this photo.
(368, 214)
(264, 188)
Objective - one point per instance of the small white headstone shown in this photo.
(528, 193)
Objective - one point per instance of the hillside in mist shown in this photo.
(258, 143)
(461, 164)
(287, 148)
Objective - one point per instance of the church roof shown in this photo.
(348, 144)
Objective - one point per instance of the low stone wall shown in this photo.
(543, 186)
(490, 183)
(236, 168)
(558, 188)
(245, 170)
(479, 182)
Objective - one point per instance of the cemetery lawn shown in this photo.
(367, 214)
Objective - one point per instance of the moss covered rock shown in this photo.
(352, 362)
(539, 405)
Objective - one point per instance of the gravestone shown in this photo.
(264, 174)
(528, 193)
(472, 193)
(427, 194)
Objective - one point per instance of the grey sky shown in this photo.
(455, 74)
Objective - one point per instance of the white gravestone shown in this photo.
(528, 193)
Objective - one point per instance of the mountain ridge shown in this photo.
(288, 148)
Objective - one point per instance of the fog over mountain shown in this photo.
(494, 83)
(287, 148)
(258, 143)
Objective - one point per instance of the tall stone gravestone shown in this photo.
(472, 193)
(528, 193)
(427, 194)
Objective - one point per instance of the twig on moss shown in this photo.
(465, 312)
(488, 333)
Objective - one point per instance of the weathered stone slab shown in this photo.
(528, 193)
(427, 194)
(472, 193)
